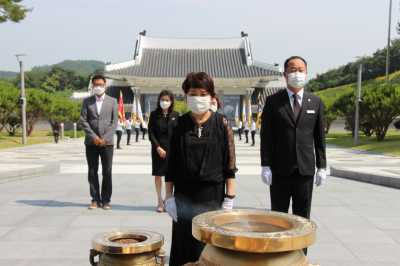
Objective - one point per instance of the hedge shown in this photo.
(69, 134)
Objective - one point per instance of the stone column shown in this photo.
(247, 97)
(62, 130)
(137, 100)
(74, 130)
(221, 98)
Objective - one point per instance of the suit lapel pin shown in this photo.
(173, 118)
(309, 100)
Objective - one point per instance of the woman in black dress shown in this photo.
(201, 167)
(160, 122)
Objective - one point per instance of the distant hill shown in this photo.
(8, 74)
(82, 67)
(394, 78)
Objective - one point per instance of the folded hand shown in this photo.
(97, 141)
(103, 143)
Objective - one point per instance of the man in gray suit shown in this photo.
(99, 116)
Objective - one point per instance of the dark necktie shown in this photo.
(296, 107)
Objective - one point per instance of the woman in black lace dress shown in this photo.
(201, 168)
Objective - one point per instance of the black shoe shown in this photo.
(246, 142)
(137, 141)
(252, 145)
(119, 148)
(128, 144)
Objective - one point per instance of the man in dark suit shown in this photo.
(99, 117)
(292, 129)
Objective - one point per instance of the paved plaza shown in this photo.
(45, 220)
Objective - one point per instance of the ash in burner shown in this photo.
(126, 241)
(246, 226)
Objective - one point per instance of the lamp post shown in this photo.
(358, 100)
(23, 99)
(388, 46)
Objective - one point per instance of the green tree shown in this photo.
(10, 10)
(373, 66)
(377, 107)
(9, 103)
(66, 76)
(82, 67)
(76, 114)
(346, 107)
(32, 80)
(330, 113)
(366, 127)
(38, 104)
(181, 107)
(13, 124)
(51, 84)
(62, 109)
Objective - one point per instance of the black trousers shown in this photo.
(55, 137)
(137, 134)
(240, 133)
(119, 136)
(294, 186)
(144, 132)
(253, 133)
(191, 200)
(128, 131)
(92, 156)
(246, 132)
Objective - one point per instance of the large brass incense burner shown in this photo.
(253, 237)
(118, 248)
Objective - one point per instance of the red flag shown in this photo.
(121, 113)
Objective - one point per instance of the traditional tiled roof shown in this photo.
(176, 63)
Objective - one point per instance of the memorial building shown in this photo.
(160, 63)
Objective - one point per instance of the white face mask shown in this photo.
(198, 105)
(98, 90)
(165, 104)
(296, 80)
(213, 108)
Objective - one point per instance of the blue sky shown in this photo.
(326, 33)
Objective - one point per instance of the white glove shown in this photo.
(320, 177)
(170, 207)
(227, 204)
(266, 175)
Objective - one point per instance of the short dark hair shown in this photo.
(171, 97)
(199, 80)
(99, 76)
(294, 57)
(219, 104)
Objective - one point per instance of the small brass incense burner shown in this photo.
(127, 248)
(253, 237)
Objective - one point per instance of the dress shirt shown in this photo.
(120, 125)
(99, 102)
(240, 124)
(299, 97)
(253, 126)
(246, 126)
(128, 124)
(137, 124)
(144, 125)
